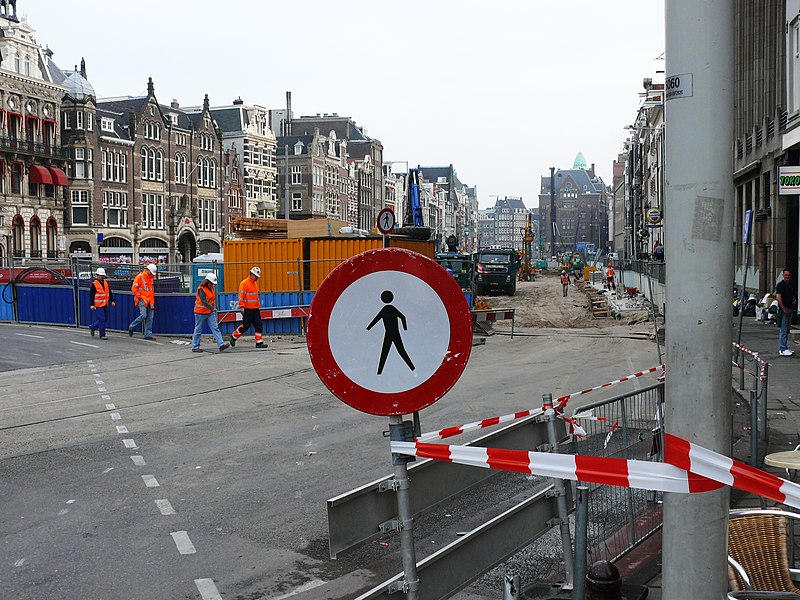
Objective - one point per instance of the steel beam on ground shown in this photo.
(356, 517)
(458, 564)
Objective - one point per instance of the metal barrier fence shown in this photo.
(759, 372)
(633, 428)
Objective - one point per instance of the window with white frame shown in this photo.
(297, 201)
(152, 211)
(152, 131)
(114, 166)
(234, 198)
(206, 142)
(180, 168)
(115, 209)
(89, 121)
(79, 119)
(208, 214)
(66, 120)
(180, 139)
(80, 207)
(297, 175)
(83, 163)
(106, 124)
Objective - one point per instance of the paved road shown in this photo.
(138, 470)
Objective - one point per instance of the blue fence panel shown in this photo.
(117, 317)
(46, 304)
(229, 300)
(174, 314)
(6, 308)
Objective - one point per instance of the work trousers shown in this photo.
(99, 322)
(146, 314)
(250, 316)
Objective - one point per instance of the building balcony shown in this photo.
(33, 148)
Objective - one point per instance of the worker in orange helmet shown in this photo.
(100, 297)
(144, 298)
(250, 305)
(611, 283)
(565, 282)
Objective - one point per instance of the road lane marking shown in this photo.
(138, 460)
(183, 542)
(110, 407)
(150, 481)
(303, 588)
(165, 507)
(207, 589)
(38, 337)
(122, 429)
(108, 470)
(106, 397)
(98, 382)
(129, 443)
(116, 417)
(78, 343)
(21, 561)
(102, 389)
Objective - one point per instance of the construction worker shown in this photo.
(205, 311)
(144, 298)
(611, 283)
(250, 306)
(100, 297)
(565, 281)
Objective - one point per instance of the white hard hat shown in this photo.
(212, 277)
(152, 268)
(256, 271)
(100, 271)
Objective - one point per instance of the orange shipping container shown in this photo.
(278, 260)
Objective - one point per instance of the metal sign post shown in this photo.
(748, 223)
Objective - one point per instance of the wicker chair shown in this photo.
(759, 548)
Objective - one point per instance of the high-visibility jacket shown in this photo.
(143, 290)
(565, 279)
(208, 295)
(102, 293)
(610, 274)
(248, 294)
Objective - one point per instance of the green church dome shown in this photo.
(580, 162)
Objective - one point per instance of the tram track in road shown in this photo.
(149, 403)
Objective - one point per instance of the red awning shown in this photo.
(40, 174)
(59, 177)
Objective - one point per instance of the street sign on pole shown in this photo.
(390, 332)
(386, 221)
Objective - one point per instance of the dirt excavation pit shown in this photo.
(541, 303)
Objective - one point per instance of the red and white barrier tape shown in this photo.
(750, 352)
(266, 313)
(562, 401)
(492, 315)
(688, 468)
(612, 471)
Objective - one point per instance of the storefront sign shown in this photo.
(678, 86)
(653, 216)
(788, 180)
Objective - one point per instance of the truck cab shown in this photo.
(496, 269)
(459, 264)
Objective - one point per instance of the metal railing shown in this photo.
(34, 148)
(621, 518)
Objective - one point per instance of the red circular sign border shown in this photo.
(458, 349)
(394, 219)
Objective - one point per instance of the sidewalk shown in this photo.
(783, 419)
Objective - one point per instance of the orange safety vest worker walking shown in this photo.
(144, 298)
(205, 311)
(610, 277)
(565, 282)
(250, 306)
(100, 297)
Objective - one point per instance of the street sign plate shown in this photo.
(386, 220)
(390, 332)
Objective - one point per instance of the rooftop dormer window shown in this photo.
(107, 124)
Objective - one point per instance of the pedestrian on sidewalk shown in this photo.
(100, 297)
(565, 282)
(787, 302)
(144, 298)
(250, 305)
(205, 311)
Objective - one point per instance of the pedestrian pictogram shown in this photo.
(386, 220)
(390, 332)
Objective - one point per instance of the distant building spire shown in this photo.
(83, 68)
(150, 86)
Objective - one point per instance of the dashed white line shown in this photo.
(106, 397)
(98, 382)
(76, 343)
(150, 481)
(102, 389)
(38, 337)
(108, 470)
(116, 417)
(122, 429)
(110, 407)
(165, 507)
(183, 542)
(129, 443)
(138, 460)
(21, 561)
(207, 589)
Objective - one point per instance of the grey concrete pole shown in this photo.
(699, 188)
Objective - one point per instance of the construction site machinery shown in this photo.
(413, 222)
(496, 269)
(527, 251)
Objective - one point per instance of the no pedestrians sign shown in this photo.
(390, 332)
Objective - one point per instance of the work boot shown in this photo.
(224, 347)
(130, 332)
(261, 345)
(103, 337)
(197, 349)
(232, 341)
(91, 331)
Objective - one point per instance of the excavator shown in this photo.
(413, 222)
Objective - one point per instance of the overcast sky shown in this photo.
(503, 90)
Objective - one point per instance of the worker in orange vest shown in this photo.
(612, 284)
(565, 282)
(144, 298)
(100, 297)
(205, 311)
(250, 306)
